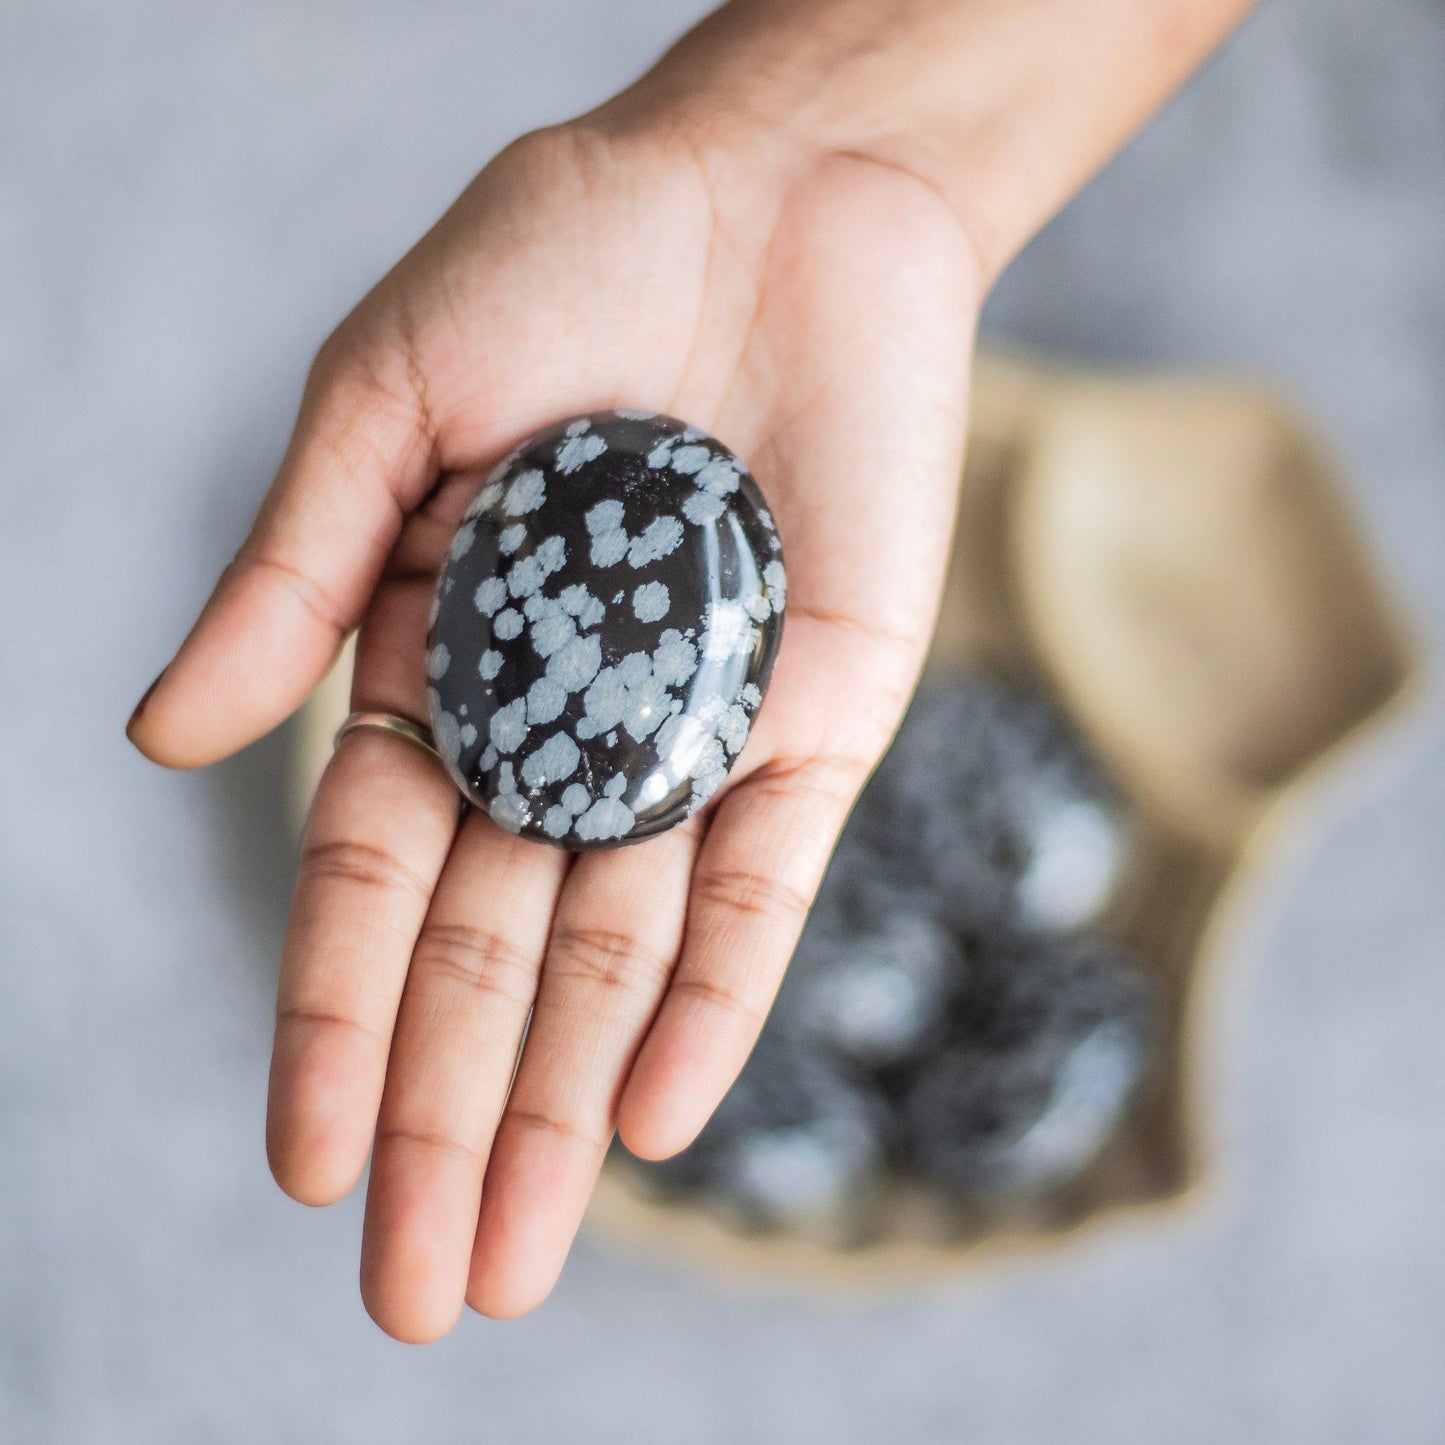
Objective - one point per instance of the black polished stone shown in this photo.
(875, 973)
(604, 629)
(990, 796)
(1050, 1051)
(797, 1144)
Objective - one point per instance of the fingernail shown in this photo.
(140, 707)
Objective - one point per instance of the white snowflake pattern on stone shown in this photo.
(555, 760)
(661, 454)
(719, 477)
(575, 663)
(627, 695)
(604, 516)
(508, 727)
(578, 447)
(709, 772)
(510, 811)
(525, 577)
(606, 818)
(651, 601)
(680, 742)
(447, 734)
(661, 536)
(462, 541)
(609, 548)
(507, 624)
(727, 631)
(526, 494)
(689, 460)
(551, 554)
(776, 580)
(489, 495)
(675, 659)
(490, 595)
(732, 729)
(580, 602)
(609, 537)
(700, 508)
(545, 700)
(551, 630)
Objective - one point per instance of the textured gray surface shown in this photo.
(189, 196)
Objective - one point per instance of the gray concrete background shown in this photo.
(189, 196)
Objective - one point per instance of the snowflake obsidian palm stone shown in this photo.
(1048, 1054)
(989, 794)
(604, 629)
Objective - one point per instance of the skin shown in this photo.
(783, 234)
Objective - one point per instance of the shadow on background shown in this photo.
(256, 841)
(247, 797)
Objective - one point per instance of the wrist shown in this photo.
(1002, 107)
(762, 95)
(794, 77)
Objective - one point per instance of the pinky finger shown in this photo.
(757, 874)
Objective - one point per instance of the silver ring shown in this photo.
(390, 723)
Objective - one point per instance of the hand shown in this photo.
(781, 234)
(815, 311)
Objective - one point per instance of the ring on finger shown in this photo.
(391, 723)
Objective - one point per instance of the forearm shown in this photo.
(1006, 107)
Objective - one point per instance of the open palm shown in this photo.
(814, 311)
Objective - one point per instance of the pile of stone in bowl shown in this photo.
(952, 1015)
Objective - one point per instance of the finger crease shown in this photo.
(611, 960)
(364, 864)
(832, 780)
(725, 999)
(829, 617)
(754, 893)
(537, 1122)
(431, 1139)
(480, 960)
(309, 593)
(327, 1018)
(425, 414)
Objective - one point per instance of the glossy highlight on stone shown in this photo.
(604, 629)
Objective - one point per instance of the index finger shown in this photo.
(360, 457)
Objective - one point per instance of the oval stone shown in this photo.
(604, 629)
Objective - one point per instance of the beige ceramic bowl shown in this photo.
(1172, 560)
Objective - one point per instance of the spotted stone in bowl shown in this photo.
(1047, 1056)
(797, 1144)
(875, 972)
(990, 795)
(604, 629)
